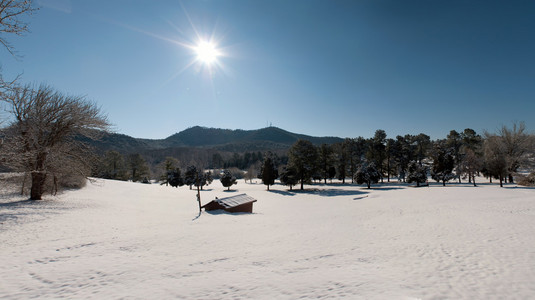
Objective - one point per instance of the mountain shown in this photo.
(213, 139)
(210, 137)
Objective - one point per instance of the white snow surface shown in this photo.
(115, 239)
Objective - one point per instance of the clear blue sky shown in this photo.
(323, 68)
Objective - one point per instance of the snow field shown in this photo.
(126, 240)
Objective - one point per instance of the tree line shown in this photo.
(409, 158)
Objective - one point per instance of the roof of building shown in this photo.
(233, 201)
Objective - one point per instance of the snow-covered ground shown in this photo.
(126, 240)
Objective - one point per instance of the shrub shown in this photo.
(528, 180)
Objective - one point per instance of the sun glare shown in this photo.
(207, 52)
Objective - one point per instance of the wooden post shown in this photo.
(198, 180)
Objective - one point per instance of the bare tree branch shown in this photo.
(11, 14)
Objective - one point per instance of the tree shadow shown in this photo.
(18, 203)
(337, 192)
(284, 193)
(321, 192)
(519, 187)
(21, 209)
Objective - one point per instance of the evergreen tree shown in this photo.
(454, 143)
(268, 170)
(368, 174)
(168, 165)
(377, 150)
(190, 177)
(416, 173)
(340, 159)
(423, 144)
(471, 140)
(113, 166)
(471, 154)
(303, 158)
(204, 178)
(139, 169)
(289, 177)
(331, 173)
(443, 163)
(174, 178)
(356, 149)
(326, 161)
(402, 155)
(227, 179)
(390, 152)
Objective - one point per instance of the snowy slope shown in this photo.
(119, 239)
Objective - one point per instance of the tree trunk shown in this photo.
(301, 184)
(369, 184)
(511, 179)
(38, 182)
(55, 185)
(501, 181)
(473, 179)
(443, 182)
(388, 170)
(268, 187)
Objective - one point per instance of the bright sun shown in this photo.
(207, 52)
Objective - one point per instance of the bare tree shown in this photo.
(516, 142)
(471, 164)
(11, 13)
(513, 145)
(495, 158)
(44, 137)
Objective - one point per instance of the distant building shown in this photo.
(238, 203)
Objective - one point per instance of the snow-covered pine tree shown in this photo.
(416, 173)
(367, 173)
(443, 163)
(227, 179)
(268, 171)
(289, 177)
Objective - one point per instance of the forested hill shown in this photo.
(215, 138)
(208, 137)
